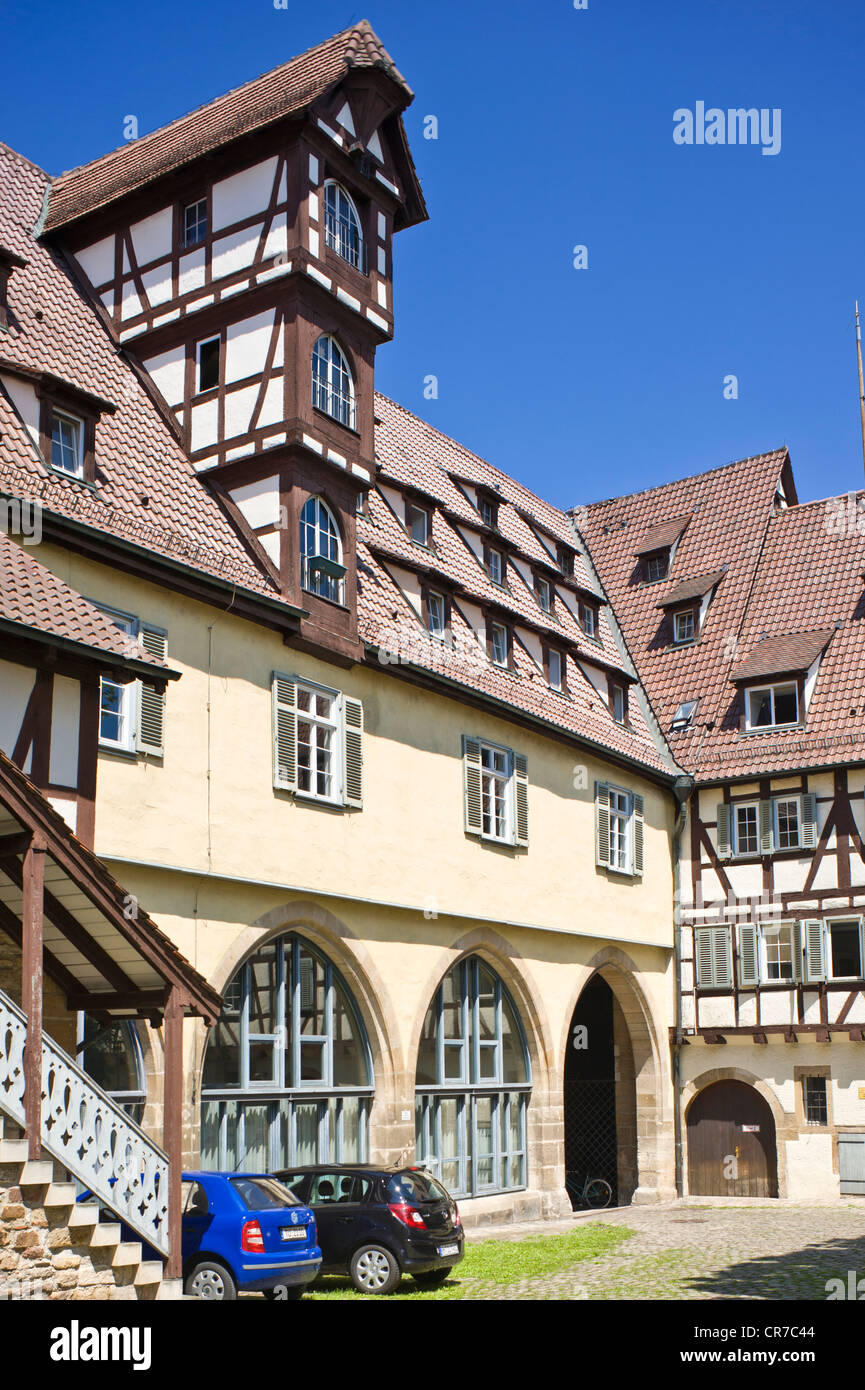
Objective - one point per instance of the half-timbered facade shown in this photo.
(742, 609)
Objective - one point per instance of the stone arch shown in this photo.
(785, 1122)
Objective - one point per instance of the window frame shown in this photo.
(186, 208)
(494, 626)
(489, 552)
(615, 688)
(749, 805)
(429, 595)
(589, 611)
(415, 507)
(752, 690)
(336, 723)
(337, 403)
(330, 588)
(201, 343)
(805, 1078)
(488, 509)
(130, 691)
(542, 583)
(680, 615)
(784, 981)
(331, 238)
(561, 685)
(508, 779)
(65, 417)
(656, 558)
(777, 800)
(681, 721)
(842, 919)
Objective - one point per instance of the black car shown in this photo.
(377, 1224)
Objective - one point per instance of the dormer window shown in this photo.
(618, 702)
(436, 607)
(543, 594)
(772, 706)
(684, 628)
(342, 231)
(656, 566)
(332, 384)
(589, 619)
(657, 548)
(489, 511)
(195, 223)
(417, 522)
(555, 669)
(495, 565)
(67, 444)
(499, 644)
(566, 561)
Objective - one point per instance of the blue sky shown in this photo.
(555, 129)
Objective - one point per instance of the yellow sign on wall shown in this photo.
(862, 1092)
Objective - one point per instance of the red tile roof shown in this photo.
(788, 652)
(662, 535)
(697, 587)
(284, 91)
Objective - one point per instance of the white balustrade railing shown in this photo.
(88, 1132)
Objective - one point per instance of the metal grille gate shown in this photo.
(590, 1135)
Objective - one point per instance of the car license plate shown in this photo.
(293, 1232)
(449, 1250)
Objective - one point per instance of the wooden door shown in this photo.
(731, 1143)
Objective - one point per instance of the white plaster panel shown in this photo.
(67, 809)
(474, 616)
(168, 371)
(313, 242)
(410, 585)
(273, 405)
(374, 146)
(747, 1010)
(276, 242)
(344, 118)
(259, 501)
(26, 402)
(532, 643)
(746, 880)
(203, 425)
(16, 684)
(394, 500)
(717, 1012)
(382, 226)
(239, 406)
(571, 602)
(856, 1012)
(596, 678)
(313, 169)
(710, 798)
(381, 294)
(191, 275)
(826, 876)
(790, 874)
(689, 1016)
(809, 1168)
(778, 1006)
(64, 731)
(243, 194)
(270, 543)
(97, 261)
(313, 207)
(382, 261)
(812, 1007)
(131, 304)
(246, 344)
(687, 975)
(523, 570)
(473, 541)
(151, 238)
(235, 251)
(711, 885)
(157, 285)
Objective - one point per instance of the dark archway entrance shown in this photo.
(731, 1143)
(599, 1096)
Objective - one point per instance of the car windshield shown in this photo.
(263, 1194)
(415, 1187)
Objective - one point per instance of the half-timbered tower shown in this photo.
(743, 611)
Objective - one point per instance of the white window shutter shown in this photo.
(472, 784)
(602, 824)
(521, 799)
(352, 731)
(809, 821)
(150, 736)
(722, 951)
(748, 969)
(704, 957)
(284, 732)
(815, 966)
(767, 837)
(637, 822)
(723, 817)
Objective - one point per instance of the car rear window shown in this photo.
(263, 1194)
(415, 1187)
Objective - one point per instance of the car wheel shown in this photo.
(431, 1278)
(210, 1281)
(284, 1293)
(374, 1270)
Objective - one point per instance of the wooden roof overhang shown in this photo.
(100, 947)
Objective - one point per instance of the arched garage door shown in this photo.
(731, 1143)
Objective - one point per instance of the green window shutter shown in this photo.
(638, 834)
(521, 799)
(352, 732)
(704, 957)
(722, 951)
(284, 732)
(815, 967)
(151, 714)
(748, 968)
(724, 815)
(472, 784)
(809, 821)
(767, 838)
(798, 968)
(602, 824)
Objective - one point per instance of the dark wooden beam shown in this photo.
(761, 1039)
(75, 934)
(173, 1124)
(142, 1002)
(12, 845)
(32, 968)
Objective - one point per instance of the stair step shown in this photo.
(171, 1291)
(149, 1272)
(14, 1151)
(84, 1214)
(127, 1253)
(38, 1173)
(106, 1233)
(60, 1194)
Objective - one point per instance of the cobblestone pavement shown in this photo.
(691, 1251)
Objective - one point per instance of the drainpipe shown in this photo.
(682, 787)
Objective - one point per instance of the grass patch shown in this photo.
(496, 1262)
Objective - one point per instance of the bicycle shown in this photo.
(594, 1193)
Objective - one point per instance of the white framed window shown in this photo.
(321, 568)
(787, 816)
(588, 619)
(683, 626)
(770, 826)
(317, 742)
(332, 383)
(319, 771)
(618, 829)
(342, 230)
(488, 512)
(495, 787)
(746, 828)
(206, 365)
(684, 715)
(67, 444)
(542, 590)
(617, 702)
(843, 948)
(195, 222)
(436, 614)
(498, 644)
(554, 668)
(772, 706)
(132, 716)
(496, 566)
(417, 521)
(777, 959)
(657, 566)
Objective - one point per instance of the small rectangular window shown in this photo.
(496, 792)
(816, 1100)
(657, 566)
(588, 619)
(496, 566)
(746, 828)
(778, 952)
(118, 704)
(845, 943)
(542, 589)
(436, 614)
(488, 511)
(566, 561)
(787, 822)
(620, 821)
(684, 715)
(418, 524)
(67, 439)
(683, 626)
(499, 644)
(318, 728)
(208, 364)
(195, 222)
(554, 666)
(618, 703)
(771, 707)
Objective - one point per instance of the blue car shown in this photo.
(246, 1232)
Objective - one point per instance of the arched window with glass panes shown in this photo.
(287, 1070)
(473, 1084)
(111, 1054)
(342, 231)
(321, 566)
(332, 382)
